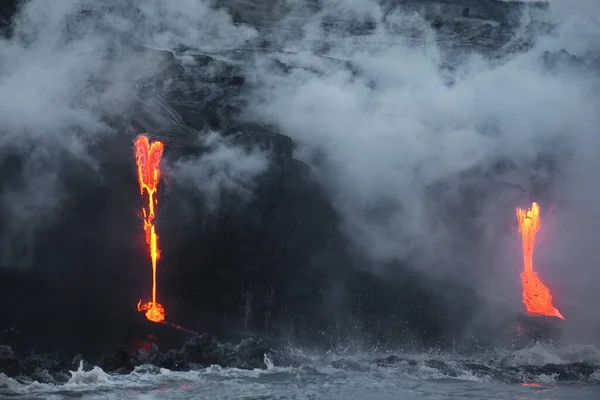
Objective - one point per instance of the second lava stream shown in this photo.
(536, 296)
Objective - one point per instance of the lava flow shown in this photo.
(147, 157)
(536, 296)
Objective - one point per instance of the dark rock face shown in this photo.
(540, 327)
(7, 9)
(488, 27)
(562, 60)
(268, 265)
(9, 363)
(234, 268)
(274, 264)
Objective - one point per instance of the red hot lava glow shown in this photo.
(536, 296)
(147, 157)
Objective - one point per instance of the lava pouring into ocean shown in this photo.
(536, 296)
(147, 157)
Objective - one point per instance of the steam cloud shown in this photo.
(226, 168)
(375, 115)
(383, 132)
(65, 74)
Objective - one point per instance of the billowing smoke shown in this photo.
(226, 169)
(427, 163)
(69, 73)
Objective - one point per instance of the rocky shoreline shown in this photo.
(204, 351)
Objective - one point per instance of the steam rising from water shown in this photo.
(383, 132)
(395, 139)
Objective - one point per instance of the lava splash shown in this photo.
(147, 157)
(536, 296)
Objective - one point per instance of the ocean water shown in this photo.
(357, 379)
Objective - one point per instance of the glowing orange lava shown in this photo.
(531, 385)
(147, 157)
(536, 296)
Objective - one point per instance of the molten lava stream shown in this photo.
(147, 157)
(536, 296)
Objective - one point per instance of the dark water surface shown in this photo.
(333, 377)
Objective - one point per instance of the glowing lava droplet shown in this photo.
(536, 296)
(147, 157)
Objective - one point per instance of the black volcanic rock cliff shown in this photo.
(273, 263)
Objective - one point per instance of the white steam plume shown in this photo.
(65, 73)
(224, 170)
(382, 132)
